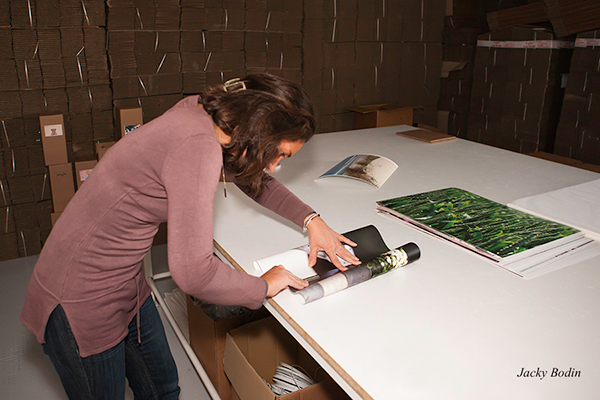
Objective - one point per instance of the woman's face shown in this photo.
(286, 150)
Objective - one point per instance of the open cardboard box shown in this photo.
(129, 119)
(207, 338)
(253, 351)
(426, 133)
(376, 115)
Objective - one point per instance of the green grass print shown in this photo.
(483, 223)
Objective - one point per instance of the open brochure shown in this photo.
(325, 279)
(518, 241)
(369, 168)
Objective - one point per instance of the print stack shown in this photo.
(520, 242)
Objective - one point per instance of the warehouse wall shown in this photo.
(83, 58)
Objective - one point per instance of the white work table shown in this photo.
(449, 326)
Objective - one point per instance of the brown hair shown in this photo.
(258, 112)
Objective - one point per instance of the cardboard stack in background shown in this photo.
(252, 353)
(518, 88)
(578, 136)
(144, 55)
(461, 28)
(88, 60)
(52, 62)
(360, 52)
(273, 38)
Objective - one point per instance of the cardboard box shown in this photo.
(102, 148)
(376, 115)
(207, 338)
(54, 217)
(129, 119)
(516, 92)
(54, 143)
(252, 353)
(577, 134)
(61, 184)
(83, 169)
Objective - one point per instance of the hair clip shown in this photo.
(234, 82)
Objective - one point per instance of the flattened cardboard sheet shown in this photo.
(426, 135)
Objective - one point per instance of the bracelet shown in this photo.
(307, 220)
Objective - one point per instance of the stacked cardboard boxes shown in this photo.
(273, 38)
(52, 62)
(207, 339)
(518, 88)
(577, 136)
(459, 42)
(143, 50)
(252, 354)
(359, 52)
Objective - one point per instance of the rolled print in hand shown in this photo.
(378, 266)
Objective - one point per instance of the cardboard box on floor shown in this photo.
(252, 353)
(83, 169)
(61, 185)
(207, 338)
(54, 143)
(376, 115)
(54, 217)
(129, 119)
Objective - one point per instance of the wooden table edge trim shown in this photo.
(343, 374)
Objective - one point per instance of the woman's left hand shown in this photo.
(322, 237)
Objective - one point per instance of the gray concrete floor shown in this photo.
(27, 373)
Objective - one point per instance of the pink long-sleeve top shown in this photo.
(166, 170)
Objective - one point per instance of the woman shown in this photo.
(87, 300)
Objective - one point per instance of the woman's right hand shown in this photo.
(278, 278)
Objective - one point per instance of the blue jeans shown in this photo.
(148, 366)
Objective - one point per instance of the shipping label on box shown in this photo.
(207, 339)
(53, 130)
(61, 184)
(54, 142)
(129, 119)
(83, 169)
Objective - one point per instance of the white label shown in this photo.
(84, 173)
(526, 44)
(53, 130)
(587, 42)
